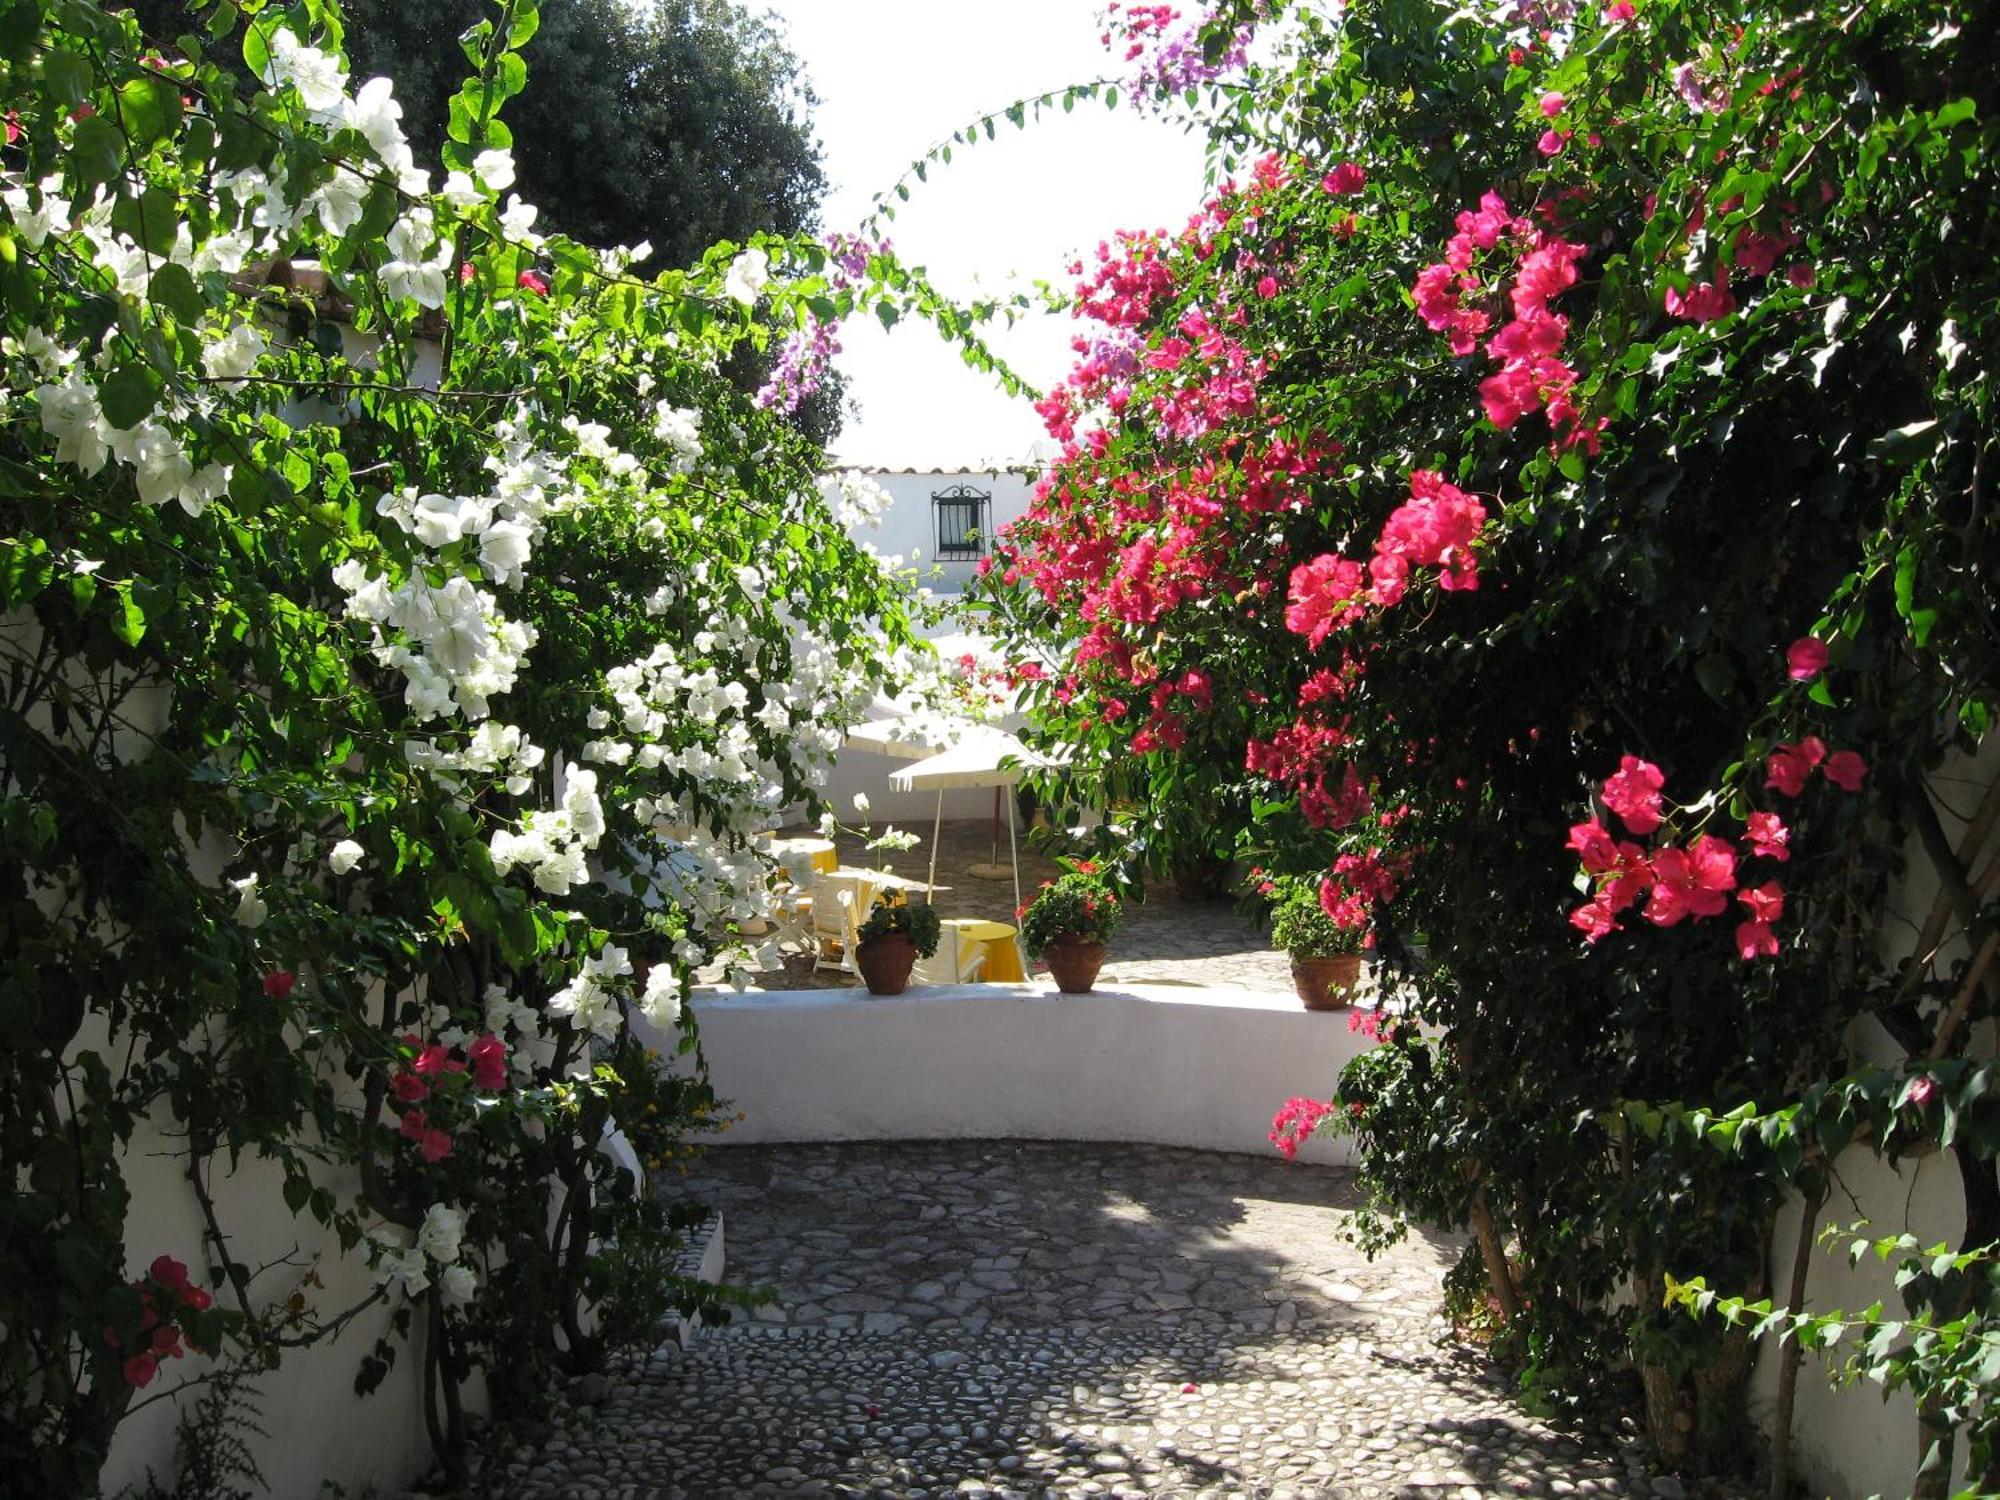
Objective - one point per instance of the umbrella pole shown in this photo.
(937, 826)
(993, 855)
(1014, 853)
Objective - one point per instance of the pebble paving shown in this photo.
(1043, 1319)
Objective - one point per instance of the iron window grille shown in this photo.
(964, 518)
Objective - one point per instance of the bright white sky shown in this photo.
(896, 76)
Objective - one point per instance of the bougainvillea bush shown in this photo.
(405, 624)
(1545, 489)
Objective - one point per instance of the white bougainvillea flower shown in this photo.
(375, 113)
(235, 354)
(457, 1285)
(495, 168)
(37, 224)
(443, 1229)
(344, 856)
(320, 80)
(70, 414)
(394, 1264)
(748, 275)
(660, 1001)
(250, 908)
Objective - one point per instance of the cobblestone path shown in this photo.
(1034, 1319)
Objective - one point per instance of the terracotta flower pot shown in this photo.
(885, 962)
(1324, 983)
(1074, 964)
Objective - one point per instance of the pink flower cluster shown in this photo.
(1170, 56)
(1292, 1126)
(164, 1292)
(1358, 883)
(1435, 528)
(1455, 297)
(1695, 881)
(433, 1063)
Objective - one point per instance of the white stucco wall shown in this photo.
(308, 1404)
(906, 525)
(1149, 1063)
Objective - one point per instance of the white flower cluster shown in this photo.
(505, 543)
(492, 749)
(555, 845)
(588, 1002)
(465, 652)
(71, 414)
(854, 498)
(747, 276)
(679, 427)
(439, 1244)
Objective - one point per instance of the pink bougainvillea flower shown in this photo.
(1846, 770)
(168, 1272)
(1552, 104)
(1552, 142)
(278, 983)
(1594, 846)
(140, 1369)
(1436, 527)
(1755, 940)
(1805, 658)
(1768, 836)
(1619, 13)
(407, 1088)
(1323, 595)
(530, 282)
(489, 1064)
(1921, 1091)
(1345, 179)
(1702, 303)
(1788, 766)
(435, 1146)
(1292, 1126)
(1800, 275)
(1766, 902)
(436, 1059)
(1267, 287)
(1594, 920)
(1188, 1388)
(1634, 793)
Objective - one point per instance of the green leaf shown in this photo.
(257, 44)
(510, 76)
(888, 312)
(173, 287)
(66, 79)
(20, 28)
(527, 21)
(1907, 445)
(149, 109)
(96, 151)
(129, 394)
(128, 621)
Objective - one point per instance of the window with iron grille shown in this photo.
(964, 519)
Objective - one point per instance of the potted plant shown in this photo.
(1068, 922)
(1326, 957)
(888, 945)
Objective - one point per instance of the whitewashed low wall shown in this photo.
(1146, 1063)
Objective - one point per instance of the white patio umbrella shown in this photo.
(984, 756)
